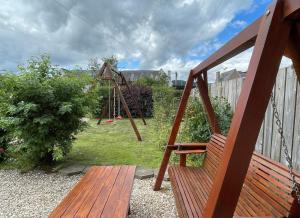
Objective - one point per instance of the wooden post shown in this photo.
(134, 100)
(182, 161)
(269, 48)
(103, 112)
(175, 128)
(125, 106)
(295, 209)
(203, 90)
(293, 48)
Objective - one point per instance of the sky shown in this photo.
(174, 35)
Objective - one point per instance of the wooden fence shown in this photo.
(287, 97)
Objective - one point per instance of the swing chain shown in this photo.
(295, 184)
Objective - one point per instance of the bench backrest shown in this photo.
(214, 153)
(269, 179)
(272, 182)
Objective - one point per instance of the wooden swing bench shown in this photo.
(104, 191)
(235, 181)
(266, 190)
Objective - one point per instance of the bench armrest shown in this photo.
(188, 146)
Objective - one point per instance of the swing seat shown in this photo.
(266, 190)
(119, 117)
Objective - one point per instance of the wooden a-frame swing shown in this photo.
(236, 181)
(106, 72)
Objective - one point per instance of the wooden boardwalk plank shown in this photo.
(81, 197)
(103, 192)
(81, 186)
(115, 194)
(86, 205)
(122, 205)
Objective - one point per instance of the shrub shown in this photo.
(166, 101)
(46, 108)
(161, 80)
(6, 87)
(196, 127)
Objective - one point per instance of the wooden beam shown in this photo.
(182, 161)
(174, 131)
(238, 44)
(103, 112)
(203, 90)
(245, 39)
(125, 106)
(134, 100)
(181, 109)
(291, 9)
(253, 101)
(293, 48)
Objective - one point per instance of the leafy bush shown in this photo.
(161, 80)
(196, 127)
(165, 100)
(6, 86)
(46, 107)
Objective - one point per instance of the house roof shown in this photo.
(133, 75)
(231, 74)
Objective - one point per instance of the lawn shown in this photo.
(111, 144)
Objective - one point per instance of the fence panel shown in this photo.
(287, 97)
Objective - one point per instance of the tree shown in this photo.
(160, 80)
(46, 107)
(94, 65)
(112, 60)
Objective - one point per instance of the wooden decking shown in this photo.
(103, 192)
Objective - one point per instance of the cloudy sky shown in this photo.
(174, 35)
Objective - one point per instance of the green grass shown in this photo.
(112, 144)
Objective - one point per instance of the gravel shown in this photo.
(147, 203)
(35, 194)
(32, 194)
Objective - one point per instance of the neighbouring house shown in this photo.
(180, 84)
(134, 75)
(229, 75)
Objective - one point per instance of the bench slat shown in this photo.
(87, 204)
(81, 186)
(125, 193)
(102, 192)
(83, 196)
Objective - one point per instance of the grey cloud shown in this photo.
(72, 31)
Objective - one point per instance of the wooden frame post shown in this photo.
(182, 160)
(269, 48)
(293, 52)
(103, 112)
(174, 131)
(293, 48)
(203, 90)
(133, 98)
(125, 106)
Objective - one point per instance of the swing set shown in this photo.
(117, 79)
(235, 181)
